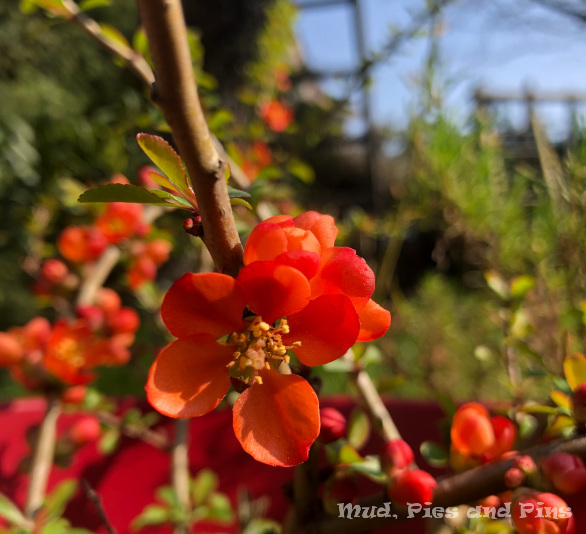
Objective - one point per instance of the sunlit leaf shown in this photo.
(358, 428)
(220, 119)
(109, 441)
(434, 454)
(202, 486)
(575, 369)
(152, 515)
(348, 455)
(220, 507)
(173, 199)
(122, 193)
(162, 180)
(561, 399)
(240, 202)
(114, 35)
(86, 5)
(57, 501)
(369, 467)
(163, 156)
(301, 170)
(497, 283)
(521, 285)
(262, 526)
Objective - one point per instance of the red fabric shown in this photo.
(127, 480)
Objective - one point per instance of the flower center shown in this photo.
(259, 346)
(68, 350)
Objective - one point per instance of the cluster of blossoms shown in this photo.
(277, 115)
(296, 292)
(69, 350)
(118, 223)
(477, 438)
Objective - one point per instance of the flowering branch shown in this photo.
(455, 490)
(175, 92)
(43, 457)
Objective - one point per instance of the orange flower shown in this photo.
(306, 242)
(277, 115)
(81, 243)
(276, 419)
(120, 221)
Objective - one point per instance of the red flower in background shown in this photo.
(79, 244)
(306, 242)
(277, 115)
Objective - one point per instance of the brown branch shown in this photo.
(43, 457)
(176, 95)
(180, 470)
(96, 500)
(454, 490)
(136, 63)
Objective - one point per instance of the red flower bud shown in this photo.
(333, 426)
(125, 320)
(108, 300)
(11, 350)
(514, 477)
(395, 456)
(84, 430)
(93, 315)
(472, 431)
(55, 271)
(158, 250)
(413, 487)
(565, 471)
(74, 395)
(537, 513)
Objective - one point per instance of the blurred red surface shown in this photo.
(127, 479)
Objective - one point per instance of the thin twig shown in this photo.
(96, 500)
(136, 62)
(132, 430)
(43, 457)
(176, 95)
(180, 469)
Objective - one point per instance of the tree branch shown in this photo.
(135, 62)
(454, 490)
(180, 469)
(43, 457)
(176, 95)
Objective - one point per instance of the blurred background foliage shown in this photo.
(479, 254)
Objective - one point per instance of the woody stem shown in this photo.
(43, 457)
(175, 92)
(180, 469)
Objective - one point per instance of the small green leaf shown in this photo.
(86, 5)
(348, 455)
(236, 193)
(122, 193)
(521, 285)
(167, 495)
(497, 283)
(163, 156)
(434, 454)
(11, 512)
(56, 527)
(575, 369)
(537, 408)
(301, 170)
(57, 501)
(262, 526)
(162, 181)
(151, 515)
(220, 507)
(220, 119)
(358, 428)
(240, 202)
(369, 467)
(204, 483)
(140, 43)
(114, 35)
(180, 202)
(109, 441)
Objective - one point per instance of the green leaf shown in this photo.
(151, 515)
(140, 43)
(220, 507)
(434, 454)
(11, 512)
(575, 370)
(521, 285)
(163, 156)
(162, 181)
(240, 202)
(167, 495)
(262, 526)
(56, 527)
(204, 483)
(358, 428)
(57, 501)
(86, 5)
(109, 441)
(236, 193)
(180, 202)
(114, 35)
(348, 455)
(122, 193)
(369, 467)
(497, 283)
(220, 119)
(53, 6)
(537, 408)
(301, 170)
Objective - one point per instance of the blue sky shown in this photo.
(502, 45)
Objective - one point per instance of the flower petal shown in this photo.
(342, 271)
(374, 321)
(265, 242)
(189, 376)
(322, 226)
(206, 303)
(299, 239)
(274, 290)
(302, 260)
(277, 421)
(327, 327)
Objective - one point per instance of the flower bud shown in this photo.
(333, 426)
(125, 320)
(55, 271)
(108, 300)
(395, 456)
(85, 430)
(565, 471)
(11, 351)
(74, 395)
(514, 477)
(412, 487)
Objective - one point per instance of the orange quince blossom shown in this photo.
(276, 419)
(306, 242)
(80, 244)
(277, 115)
